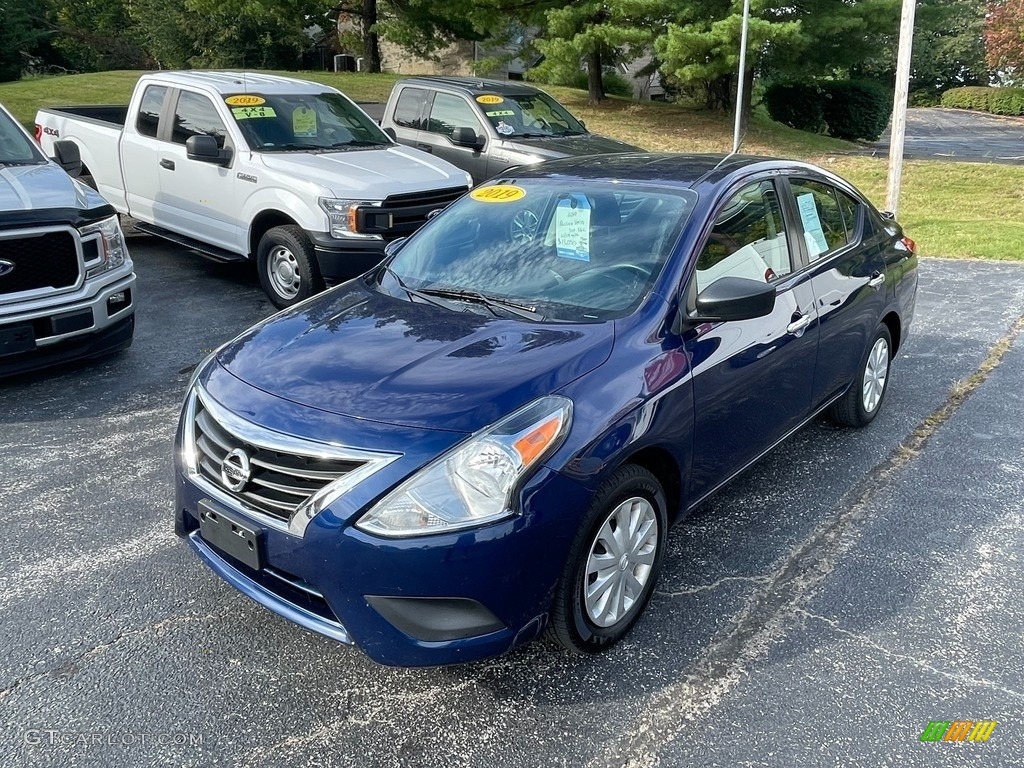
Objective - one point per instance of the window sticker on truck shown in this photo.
(245, 113)
(304, 122)
(244, 100)
(500, 113)
(489, 99)
(502, 193)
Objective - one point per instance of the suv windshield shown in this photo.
(303, 122)
(16, 148)
(529, 114)
(547, 249)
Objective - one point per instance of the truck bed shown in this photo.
(113, 115)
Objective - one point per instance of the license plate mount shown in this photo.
(17, 338)
(231, 535)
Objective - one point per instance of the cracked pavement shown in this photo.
(820, 611)
(960, 135)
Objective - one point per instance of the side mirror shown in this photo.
(729, 299)
(394, 246)
(67, 155)
(392, 133)
(204, 149)
(466, 137)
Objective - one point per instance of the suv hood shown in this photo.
(568, 146)
(41, 187)
(364, 173)
(357, 352)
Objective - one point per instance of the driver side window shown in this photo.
(748, 239)
(449, 112)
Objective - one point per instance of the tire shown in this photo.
(863, 400)
(590, 627)
(287, 266)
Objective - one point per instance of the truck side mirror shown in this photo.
(204, 149)
(67, 155)
(466, 137)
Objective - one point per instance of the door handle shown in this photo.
(799, 324)
(877, 278)
(425, 147)
(168, 164)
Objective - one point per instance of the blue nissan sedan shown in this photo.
(485, 439)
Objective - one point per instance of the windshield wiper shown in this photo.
(20, 162)
(491, 302)
(414, 293)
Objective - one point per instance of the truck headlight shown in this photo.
(474, 482)
(110, 245)
(343, 216)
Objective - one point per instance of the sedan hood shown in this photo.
(569, 146)
(357, 352)
(43, 187)
(363, 173)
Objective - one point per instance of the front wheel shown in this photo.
(613, 564)
(863, 400)
(287, 266)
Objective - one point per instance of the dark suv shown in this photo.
(487, 126)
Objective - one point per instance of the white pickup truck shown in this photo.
(248, 166)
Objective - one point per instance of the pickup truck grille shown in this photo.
(39, 259)
(278, 482)
(401, 215)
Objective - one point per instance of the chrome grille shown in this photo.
(278, 483)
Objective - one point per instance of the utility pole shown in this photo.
(741, 77)
(899, 106)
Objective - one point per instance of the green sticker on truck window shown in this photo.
(500, 113)
(247, 113)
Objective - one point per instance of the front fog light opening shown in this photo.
(118, 301)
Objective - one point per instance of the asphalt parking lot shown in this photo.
(820, 612)
(957, 134)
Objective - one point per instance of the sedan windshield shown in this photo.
(543, 249)
(15, 147)
(303, 122)
(528, 115)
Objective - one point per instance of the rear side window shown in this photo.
(851, 211)
(450, 112)
(148, 120)
(195, 115)
(820, 217)
(407, 110)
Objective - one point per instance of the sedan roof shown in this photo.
(672, 168)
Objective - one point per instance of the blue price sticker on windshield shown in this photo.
(572, 228)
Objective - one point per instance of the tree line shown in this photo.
(692, 43)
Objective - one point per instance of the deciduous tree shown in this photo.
(1004, 39)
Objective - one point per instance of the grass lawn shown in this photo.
(956, 210)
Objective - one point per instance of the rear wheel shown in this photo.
(613, 564)
(862, 402)
(287, 266)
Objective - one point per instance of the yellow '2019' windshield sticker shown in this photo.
(501, 193)
(245, 113)
(244, 100)
(490, 99)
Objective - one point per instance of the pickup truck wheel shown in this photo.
(287, 266)
(613, 564)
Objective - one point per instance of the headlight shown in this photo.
(343, 216)
(473, 483)
(112, 251)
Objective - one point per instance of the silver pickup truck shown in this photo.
(486, 126)
(66, 280)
